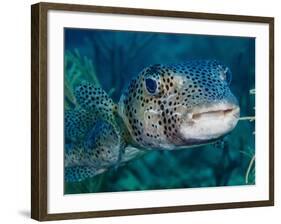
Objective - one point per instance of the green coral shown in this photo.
(76, 68)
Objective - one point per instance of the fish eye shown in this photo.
(228, 75)
(151, 85)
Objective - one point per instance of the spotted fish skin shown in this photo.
(99, 149)
(94, 135)
(96, 101)
(160, 106)
(96, 153)
(79, 173)
(77, 123)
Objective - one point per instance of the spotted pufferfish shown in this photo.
(166, 107)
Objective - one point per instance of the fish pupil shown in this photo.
(151, 85)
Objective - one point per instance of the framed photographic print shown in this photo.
(138, 111)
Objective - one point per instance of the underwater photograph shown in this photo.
(155, 111)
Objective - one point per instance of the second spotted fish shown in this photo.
(166, 107)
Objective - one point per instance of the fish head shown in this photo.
(180, 105)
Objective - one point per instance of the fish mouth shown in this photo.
(209, 122)
(209, 113)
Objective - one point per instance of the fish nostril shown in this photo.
(189, 116)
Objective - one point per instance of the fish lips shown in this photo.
(209, 122)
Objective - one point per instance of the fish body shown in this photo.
(166, 107)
